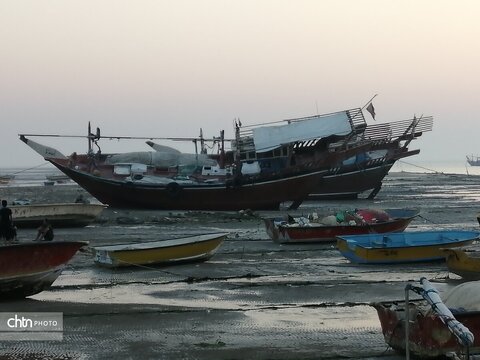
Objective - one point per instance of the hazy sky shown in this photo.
(167, 68)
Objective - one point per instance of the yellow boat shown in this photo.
(464, 262)
(186, 249)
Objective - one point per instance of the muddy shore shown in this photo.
(254, 299)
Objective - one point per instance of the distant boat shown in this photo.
(58, 215)
(5, 179)
(288, 229)
(463, 262)
(473, 160)
(403, 247)
(163, 252)
(58, 178)
(29, 268)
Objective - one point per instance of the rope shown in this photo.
(150, 268)
(424, 218)
(421, 167)
(31, 168)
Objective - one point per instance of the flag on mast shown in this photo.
(371, 110)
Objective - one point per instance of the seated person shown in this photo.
(45, 232)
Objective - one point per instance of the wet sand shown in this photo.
(254, 299)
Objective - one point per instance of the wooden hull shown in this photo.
(264, 195)
(189, 249)
(402, 247)
(58, 215)
(349, 183)
(463, 263)
(27, 269)
(306, 234)
(429, 337)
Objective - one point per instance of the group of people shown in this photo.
(8, 231)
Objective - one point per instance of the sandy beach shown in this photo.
(254, 299)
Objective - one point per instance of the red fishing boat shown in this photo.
(266, 165)
(286, 163)
(315, 228)
(433, 327)
(29, 268)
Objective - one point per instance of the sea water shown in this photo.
(445, 167)
(31, 176)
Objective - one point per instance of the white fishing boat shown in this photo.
(58, 215)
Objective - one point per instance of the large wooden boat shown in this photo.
(29, 268)
(427, 328)
(58, 215)
(464, 262)
(163, 252)
(267, 165)
(168, 180)
(403, 247)
(360, 174)
(288, 229)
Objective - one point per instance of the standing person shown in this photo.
(45, 232)
(6, 222)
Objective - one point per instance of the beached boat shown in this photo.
(58, 215)
(268, 164)
(325, 228)
(171, 181)
(163, 252)
(464, 262)
(403, 247)
(431, 328)
(29, 268)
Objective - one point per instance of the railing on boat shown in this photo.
(400, 130)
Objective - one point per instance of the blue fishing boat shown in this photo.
(403, 247)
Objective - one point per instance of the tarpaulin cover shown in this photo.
(271, 137)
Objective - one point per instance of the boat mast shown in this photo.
(203, 149)
(89, 136)
(222, 149)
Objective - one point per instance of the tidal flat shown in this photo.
(254, 299)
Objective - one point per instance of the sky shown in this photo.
(168, 68)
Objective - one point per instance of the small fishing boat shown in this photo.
(186, 249)
(29, 268)
(432, 329)
(314, 228)
(403, 247)
(58, 215)
(464, 262)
